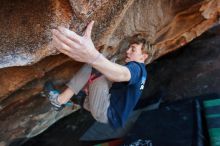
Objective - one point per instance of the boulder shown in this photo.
(28, 58)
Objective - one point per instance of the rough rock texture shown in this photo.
(168, 24)
(25, 112)
(195, 73)
(189, 72)
(25, 29)
(25, 39)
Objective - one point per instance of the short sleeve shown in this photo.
(135, 71)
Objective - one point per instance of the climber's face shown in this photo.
(135, 53)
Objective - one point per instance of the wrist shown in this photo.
(95, 58)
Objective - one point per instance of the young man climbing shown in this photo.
(113, 95)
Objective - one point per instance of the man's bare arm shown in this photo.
(82, 49)
(113, 71)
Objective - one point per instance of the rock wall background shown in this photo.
(168, 24)
(195, 73)
(28, 59)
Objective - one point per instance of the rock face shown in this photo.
(195, 73)
(25, 28)
(191, 71)
(167, 24)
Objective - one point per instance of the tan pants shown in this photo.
(98, 100)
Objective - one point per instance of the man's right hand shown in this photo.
(82, 49)
(79, 48)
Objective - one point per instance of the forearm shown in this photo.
(82, 49)
(113, 71)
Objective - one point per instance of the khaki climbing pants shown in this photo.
(98, 99)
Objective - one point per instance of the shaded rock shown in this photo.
(26, 40)
(14, 78)
(183, 79)
(191, 71)
(27, 112)
(168, 25)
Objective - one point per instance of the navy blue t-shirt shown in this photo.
(125, 95)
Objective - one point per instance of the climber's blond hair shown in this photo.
(140, 39)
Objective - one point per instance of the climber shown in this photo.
(115, 89)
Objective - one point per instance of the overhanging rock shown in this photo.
(25, 39)
(26, 25)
